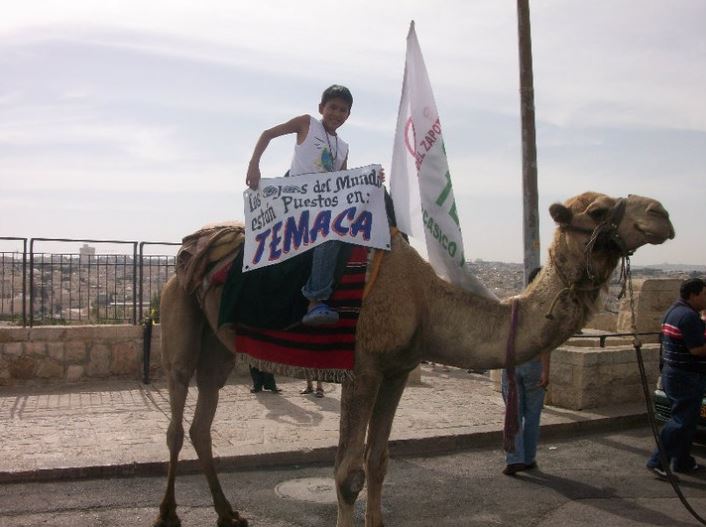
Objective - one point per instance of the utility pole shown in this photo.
(530, 202)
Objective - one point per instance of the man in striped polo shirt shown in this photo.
(683, 377)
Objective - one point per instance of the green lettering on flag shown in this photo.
(445, 194)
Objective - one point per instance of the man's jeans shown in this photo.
(530, 397)
(685, 391)
(323, 267)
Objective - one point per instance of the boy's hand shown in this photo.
(382, 175)
(253, 177)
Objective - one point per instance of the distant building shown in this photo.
(87, 253)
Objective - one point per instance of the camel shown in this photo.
(410, 315)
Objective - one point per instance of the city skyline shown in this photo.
(133, 121)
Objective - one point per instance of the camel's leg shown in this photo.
(212, 372)
(376, 452)
(175, 440)
(357, 399)
(182, 326)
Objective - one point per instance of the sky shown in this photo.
(136, 120)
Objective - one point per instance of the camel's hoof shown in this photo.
(235, 521)
(352, 485)
(170, 521)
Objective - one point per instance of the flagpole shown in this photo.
(529, 142)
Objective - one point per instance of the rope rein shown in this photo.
(570, 288)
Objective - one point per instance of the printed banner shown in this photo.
(420, 181)
(289, 215)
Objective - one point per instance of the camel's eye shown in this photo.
(657, 210)
(599, 213)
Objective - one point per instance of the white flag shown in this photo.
(420, 181)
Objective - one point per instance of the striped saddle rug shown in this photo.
(323, 353)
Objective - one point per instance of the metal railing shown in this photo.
(164, 267)
(603, 337)
(65, 287)
(13, 269)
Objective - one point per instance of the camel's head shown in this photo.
(616, 226)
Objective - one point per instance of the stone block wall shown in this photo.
(652, 297)
(584, 378)
(604, 321)
(74, 353)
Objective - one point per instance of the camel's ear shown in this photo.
(561, 214)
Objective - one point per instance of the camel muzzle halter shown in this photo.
(606, 231)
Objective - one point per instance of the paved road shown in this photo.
(584, 480)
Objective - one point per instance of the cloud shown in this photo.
(611, 64)
(145, 98)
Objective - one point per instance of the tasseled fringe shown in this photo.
(314, 374)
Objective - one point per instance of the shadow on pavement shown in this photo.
(602, 499)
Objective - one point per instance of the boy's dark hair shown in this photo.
(692, 286)
(336, 91)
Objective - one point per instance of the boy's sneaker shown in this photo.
(320, 315)
(660, 473)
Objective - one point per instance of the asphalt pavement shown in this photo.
(583, 480)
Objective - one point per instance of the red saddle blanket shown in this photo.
(325, 352)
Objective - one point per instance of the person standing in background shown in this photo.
(683, 365)
(532, 378)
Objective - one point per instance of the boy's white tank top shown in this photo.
(320, 151)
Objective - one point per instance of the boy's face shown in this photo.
(334, 112)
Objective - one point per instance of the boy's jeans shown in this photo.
(530, 398)
(685, 391)
(323, 267)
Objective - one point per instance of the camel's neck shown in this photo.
(464, 330)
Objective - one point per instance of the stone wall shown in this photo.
(584, 378)
(604, 321)
(652, 297)
(74, 353)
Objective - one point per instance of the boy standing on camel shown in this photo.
(318, 149)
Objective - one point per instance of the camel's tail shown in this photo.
(206, 251)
